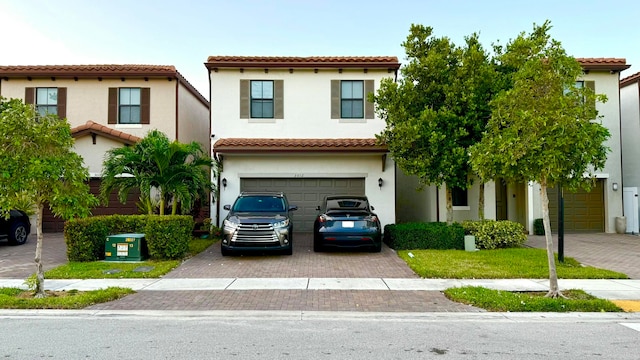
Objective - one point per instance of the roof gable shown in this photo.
(91, 127)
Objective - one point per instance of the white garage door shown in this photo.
(307, 194)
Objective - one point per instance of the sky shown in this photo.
(184, 33)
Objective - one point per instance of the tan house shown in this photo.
(110, 106)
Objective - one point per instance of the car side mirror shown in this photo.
(293, 207)
(227, 207)
(372, 208)
(318, 208)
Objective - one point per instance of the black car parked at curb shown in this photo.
(258, 221)
(347, 221)
(16, 228)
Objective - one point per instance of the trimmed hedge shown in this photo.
(433, 235)
(538, 227)
(165, 235)
(168, 236)
(491, 234)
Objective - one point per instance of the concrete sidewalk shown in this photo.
(612, 289)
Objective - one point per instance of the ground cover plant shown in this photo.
(14, 298)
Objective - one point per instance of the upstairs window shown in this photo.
(129, 106)
(261, 99)
(47, 101)
(352, 99)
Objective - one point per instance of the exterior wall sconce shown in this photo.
(224, 182)
(615, 186)
(380, 182)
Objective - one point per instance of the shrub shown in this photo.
(434, 235)
(85, 239)
(491, 234)
(168, 236)
(538, 227)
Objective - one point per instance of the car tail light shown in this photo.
(324, 218)
(372, 218)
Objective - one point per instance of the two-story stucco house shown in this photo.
(302, 125)
(110, 106)
(630, 111)
(594, 211)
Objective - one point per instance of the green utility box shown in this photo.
(126, 247)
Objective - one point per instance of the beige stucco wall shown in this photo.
(87, 99)
(93, 154)
(193, 119)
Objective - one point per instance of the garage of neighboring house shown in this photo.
(583, 211)
(306, 193)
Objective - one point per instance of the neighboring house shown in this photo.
(630, 110)
(111, 106)
(595, 211)
(302, 125)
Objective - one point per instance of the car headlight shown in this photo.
(281, 224)
(230, 225)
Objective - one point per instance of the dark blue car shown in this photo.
(16, 228)
(347, 221)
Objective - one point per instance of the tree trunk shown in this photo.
(38, 260)
(554, 291)
(449, 205)
(481, 202)
(174, 206)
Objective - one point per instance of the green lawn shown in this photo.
(12, 298)
(514, 263)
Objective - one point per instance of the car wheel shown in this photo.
(317, 246)
(289, 250)
(18, 234)
(224, 251)
(377, 247)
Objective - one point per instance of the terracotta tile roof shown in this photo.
(311, 62)
(99, 71)
(631, 79)
(91, 127)
(246, 145)
(603, 63)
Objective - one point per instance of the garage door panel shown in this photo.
(306, 193)
(584, 211)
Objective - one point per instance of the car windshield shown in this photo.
(259, 204)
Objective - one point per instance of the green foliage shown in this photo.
(11, 298)
(165, 236)
(85, 238)
(168, 237)
(180, 172)
(438, 108)
(497, 300)
(434, 235)
(538, 227)
(543, 128)
(38, 163)
(105, 270)
(492, 234)
(511, 263)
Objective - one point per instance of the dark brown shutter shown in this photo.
(145, 105)
(112, 117)
(591, 85)
(278, 99)
(335, 99)
(29, 95)
(62, 103)
(245, 101)
(368, 105)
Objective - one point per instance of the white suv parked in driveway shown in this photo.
(258, 221)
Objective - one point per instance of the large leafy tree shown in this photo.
(543, 128)
(437, 109)
(39, 167)
(179, 172)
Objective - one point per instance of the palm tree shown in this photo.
(179, 172)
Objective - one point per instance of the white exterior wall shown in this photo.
(630, 113)
(193, 118)
(307, 106)
(88, 99)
